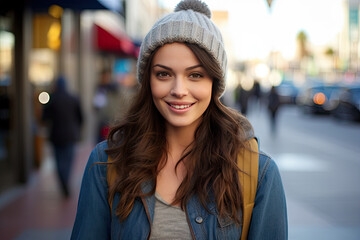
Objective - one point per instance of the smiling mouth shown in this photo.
(183, 106)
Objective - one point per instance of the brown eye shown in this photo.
(196, 75)
(162, 74)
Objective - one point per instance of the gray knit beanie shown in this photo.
(190, 22)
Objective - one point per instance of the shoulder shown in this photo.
(267, 168)
(99, 151)
(98, 154)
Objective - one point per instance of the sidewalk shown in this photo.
(38, 210)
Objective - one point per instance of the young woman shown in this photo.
(175, 154)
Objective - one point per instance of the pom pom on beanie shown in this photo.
(196, 6)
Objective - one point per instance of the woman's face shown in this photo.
(180, 86)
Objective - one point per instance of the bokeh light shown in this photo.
(261, 70)
(319, 98)
(44, 97)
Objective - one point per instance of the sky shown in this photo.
(255, 30)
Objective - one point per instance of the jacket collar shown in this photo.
(149, 201)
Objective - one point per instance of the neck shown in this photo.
(179, 138)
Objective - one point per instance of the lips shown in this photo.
(179, 106)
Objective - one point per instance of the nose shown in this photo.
(179, 88)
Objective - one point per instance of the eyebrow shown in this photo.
(187, 69)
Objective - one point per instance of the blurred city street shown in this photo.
(38, 211)
(318, 157)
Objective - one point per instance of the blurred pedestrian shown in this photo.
(64, 115)
(273, 106)
(172, 171)
(104, 103)
(242, 96)
(256, 94)
(256, 89)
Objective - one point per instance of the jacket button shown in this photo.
(199, 220)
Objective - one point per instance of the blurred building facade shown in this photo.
(338, 61)
(40, 40)
(349, 45)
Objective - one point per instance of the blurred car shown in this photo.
(288, 92)
(320, 99)
(349, 104)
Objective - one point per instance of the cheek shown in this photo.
(204, 92)
(156, 89)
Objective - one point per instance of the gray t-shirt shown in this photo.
(169, 221)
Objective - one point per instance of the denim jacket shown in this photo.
(94, 220)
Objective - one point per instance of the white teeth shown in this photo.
(180, 106)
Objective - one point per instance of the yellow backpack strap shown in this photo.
(248, 162)
(111, 176)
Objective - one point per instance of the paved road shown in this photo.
(319, 160)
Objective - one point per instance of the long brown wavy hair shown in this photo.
(138, 148)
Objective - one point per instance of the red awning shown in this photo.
(113, 42)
